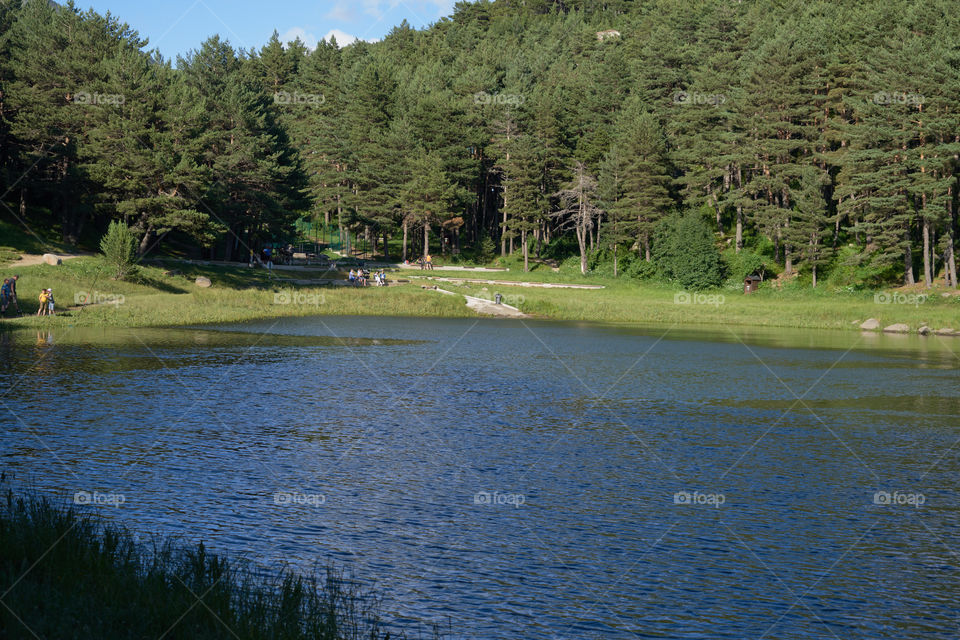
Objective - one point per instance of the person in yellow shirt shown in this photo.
(44, 299)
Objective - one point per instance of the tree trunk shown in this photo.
(582, 241)
(739, 242)
(426, 238)
(927, 276)
(503, 227)
(950, 263)
(814, 275)
(614, 260)
(523, 240)
(908, 264)
(145, 241)
(404, 257)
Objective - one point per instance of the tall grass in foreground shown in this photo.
(64, 574)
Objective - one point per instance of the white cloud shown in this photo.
(299, 32)
(344, 38)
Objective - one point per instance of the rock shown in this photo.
(203, 281)
(945, 331)
(172, 272)
(897, 328)
(51, 259)
(944, 295)
(924, 330)
(870, 324)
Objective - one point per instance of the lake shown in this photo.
(518, 479)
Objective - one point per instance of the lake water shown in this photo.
(526, 480)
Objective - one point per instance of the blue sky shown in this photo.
(176, 26)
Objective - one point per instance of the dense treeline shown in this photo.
(808, 131)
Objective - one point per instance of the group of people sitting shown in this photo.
(360, 277)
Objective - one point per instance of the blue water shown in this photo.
(514, 479)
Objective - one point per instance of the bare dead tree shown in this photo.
(578, 209)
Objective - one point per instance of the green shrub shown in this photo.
(685, 253)
(119, 249)
(629, 264)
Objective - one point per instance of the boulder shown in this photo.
(203, 281)
(172, 272)
(945, 331)
(51, 259)
(870, 324)
(924, 330)
(897, 328)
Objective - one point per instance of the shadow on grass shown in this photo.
(155, 283)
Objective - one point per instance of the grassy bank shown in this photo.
(157, 298)
(68, 575)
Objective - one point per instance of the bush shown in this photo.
(854, 269)
(746, 263)
(119, 249)
(486, 248)
(684, 251)
(629, 264)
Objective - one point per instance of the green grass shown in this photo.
(67, 574)
(239, 293)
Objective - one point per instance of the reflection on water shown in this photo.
(525, 479)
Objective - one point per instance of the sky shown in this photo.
(176, 26)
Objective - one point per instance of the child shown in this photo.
(50, 303)
(42, 311)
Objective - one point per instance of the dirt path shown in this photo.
(512, 283)
(30, 259)
(484, 306)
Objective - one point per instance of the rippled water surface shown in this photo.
(527, 480)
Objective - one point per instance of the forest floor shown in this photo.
(167, 295)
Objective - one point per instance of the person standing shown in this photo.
(8, 295)
(42, 311)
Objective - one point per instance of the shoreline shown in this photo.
(170, 299)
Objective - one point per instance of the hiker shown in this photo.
(50, 310)
(42, 311)
(429, 261)
(352, 278)
(8, 295)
